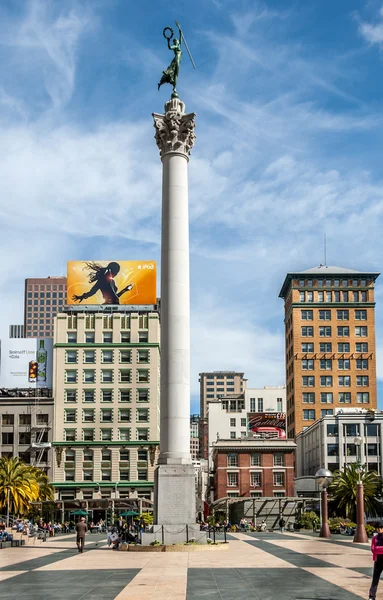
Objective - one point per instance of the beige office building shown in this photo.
(44, 297)
(106, 381)
(217, 384)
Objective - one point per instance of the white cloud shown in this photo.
(372, 32)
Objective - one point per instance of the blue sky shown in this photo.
(288, 97)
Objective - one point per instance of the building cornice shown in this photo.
(107, 345)
(105, 484)
(120, 443)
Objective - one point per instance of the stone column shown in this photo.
(174, 478)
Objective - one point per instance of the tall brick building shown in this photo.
(329, 342)
(253, 468)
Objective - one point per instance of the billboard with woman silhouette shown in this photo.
(111, 282)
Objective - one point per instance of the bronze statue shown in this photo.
(170, 75)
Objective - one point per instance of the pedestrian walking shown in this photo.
(282, 524)
(81, 530)
(377, 556)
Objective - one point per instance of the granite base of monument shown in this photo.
(174, 534)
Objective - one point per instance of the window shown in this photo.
(306, 315)
(125, 337)
(328, 296)
(361, 347)
(125, 376)
(71, 356)
(143, 356)
(7, 438)
(362, 364)
(342, 315)
(89, 376)
(255, 459)
(343, 331)
(106, 475)
(343, 347)
(308, 414)
(355, 296)
(344, 296)
(89, 356)
(143, 395)
(279, 479)
(124, 455)
(361, 331)
(255, 479)
(324, 331)
(279, 406)
(232, 435)
(107, 376)
(362, 380)
(70, 376)
(72, 337)
(106, 455)
(232, 480)
(344, 364)
(363, 296)
(332, 449)
(278, 459)
(87, 475)
(243, 421)
(325, 364)
(325, 315)
(344, 397)
(232, 422)
(362, 397)
(143, 376)
(88, 455)
(106, 415)
(125, 356)
(326, 412)
(107, 356)
(307, 347)
(124, 395)
(70, 456)
(344, 380)
(326, 397)
(69, 475)
(143, 434)
(360, 315)
(308, 397)
(70, 415)
(352, 430)
(325, 347)
(332, 430)
(142, 415)
(8, 419)
(371, 430)
(88, 435)
(89, 337)
(106, 435)
(143, 337)
(307, 331)
(142, 474)
(310, 296)
(124, 415)
(232, 460)
(260, 404)
(320, 297)
(88, 395)
(107, 395)
(70, 395)
(107, 337)
(301, 296)
(70, 435)
(308, 365)
(308, 381)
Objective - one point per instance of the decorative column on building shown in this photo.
(174, 478)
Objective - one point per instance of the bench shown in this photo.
(5, 544)
(17, 543)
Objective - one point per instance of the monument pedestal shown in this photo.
(174, 501)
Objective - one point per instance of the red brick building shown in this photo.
(252, 468)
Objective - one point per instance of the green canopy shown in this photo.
(130, 513)
(80, 513)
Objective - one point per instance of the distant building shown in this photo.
(215, 385)
(194, 436)
(253, 468)
(330, 343)
(16, 331)
(43, 299)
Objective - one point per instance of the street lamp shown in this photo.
(360, 536)
(322, 476)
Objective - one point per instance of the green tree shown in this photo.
(344, 485)
(21, 484)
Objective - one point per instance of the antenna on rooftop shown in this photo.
(325, 250)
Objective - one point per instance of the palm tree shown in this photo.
(21, 484)
(344, 485)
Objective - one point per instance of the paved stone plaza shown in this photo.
(264, 566)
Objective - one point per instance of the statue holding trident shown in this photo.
(170, 75)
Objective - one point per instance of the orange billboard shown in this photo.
(111, 282)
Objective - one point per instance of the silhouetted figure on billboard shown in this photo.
(103, 279)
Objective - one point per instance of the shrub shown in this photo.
(307, 518)
(155, 543)
(209, 541)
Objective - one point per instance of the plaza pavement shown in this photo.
(256, 566)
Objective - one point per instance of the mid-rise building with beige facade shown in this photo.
(329, 342)
(106, 385)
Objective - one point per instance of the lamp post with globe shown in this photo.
(360, 536)
(322, 476)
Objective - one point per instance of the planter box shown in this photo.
(176, 548)
(132, 548)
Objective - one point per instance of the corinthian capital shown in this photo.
(174, 129)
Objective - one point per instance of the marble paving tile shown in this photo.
(155, 583)
(346, 560)
(346, 579)
(13, 556)
(316, 547)
(107, 559)
(8, 574)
